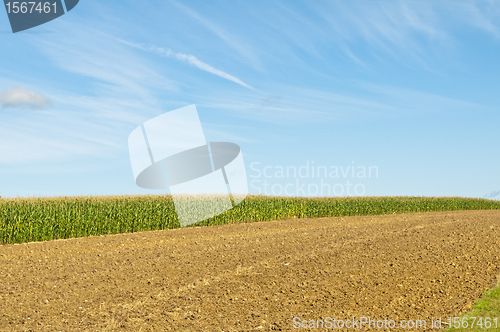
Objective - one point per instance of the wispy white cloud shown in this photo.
(191, 59)
(118, 89)
(22, 97)
(294, 105)
(233, 41)
(29, 144)
(203, 66)
(414, 101)
(402, 30)
(99, 91)
(405, 30)
(115, 70)
(483, 15)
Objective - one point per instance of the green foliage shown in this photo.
(40, 219)
(486, 309)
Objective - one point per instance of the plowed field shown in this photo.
(255, 276)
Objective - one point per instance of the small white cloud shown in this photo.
(21, 97)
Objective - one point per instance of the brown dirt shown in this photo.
(256, 276)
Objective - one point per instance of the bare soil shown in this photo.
(253, 277)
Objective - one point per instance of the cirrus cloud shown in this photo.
(21, 97)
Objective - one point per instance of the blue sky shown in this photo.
(410, 87)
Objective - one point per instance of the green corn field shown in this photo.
(41, 219)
